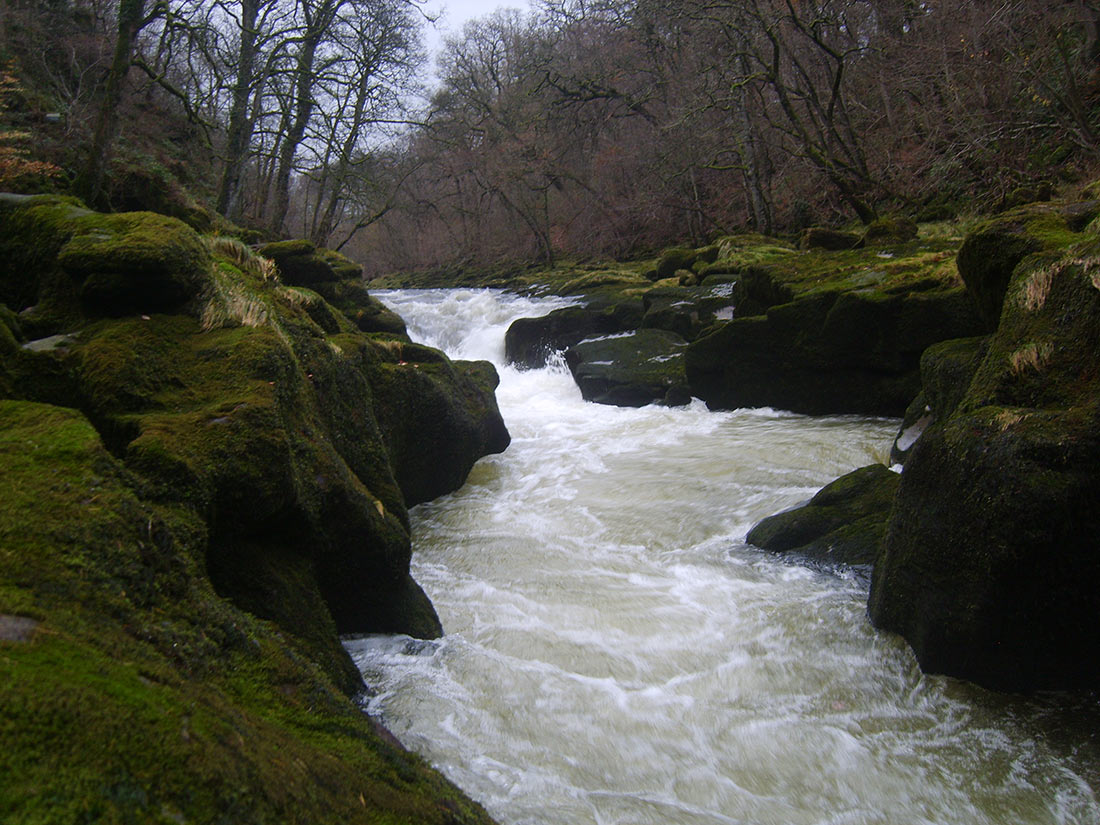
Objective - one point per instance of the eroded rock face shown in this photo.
(827, 352)
(262, 408)
(991, 252)
(990, 568)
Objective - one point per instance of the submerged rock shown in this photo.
(843, 524)
(632, 370)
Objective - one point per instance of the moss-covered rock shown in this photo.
(438, 419)
(632, 370)
(818, 237)
(890, 230)
(133, 693)
(843, 524)
(135, 262)
(992, 251)
(366, 312)
(673, 260)
(990, 568)
(687, 311)
(225, 502)
(300, 263)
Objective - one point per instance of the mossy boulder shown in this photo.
(135, 262)
(990, 568)
(300, 262)
(833, 240)
(890, 230)
(827, 351)
(33, 228)
(993, 250)
(843, 524)
(672, 261)
(439, 418)
(687, 311)
(366, 312)
(631, 370)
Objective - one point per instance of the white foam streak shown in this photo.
(617, 654)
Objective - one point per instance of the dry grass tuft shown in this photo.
(1031, 357)
(242, 256)
(1037, 288)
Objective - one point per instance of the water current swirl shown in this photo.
(616, 653)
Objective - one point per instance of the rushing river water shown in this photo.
(616, 653)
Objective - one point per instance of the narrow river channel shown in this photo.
(616, 652)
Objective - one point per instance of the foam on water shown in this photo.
(616, 653)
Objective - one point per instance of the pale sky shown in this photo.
(455, 13)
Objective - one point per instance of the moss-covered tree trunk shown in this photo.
(131, 20)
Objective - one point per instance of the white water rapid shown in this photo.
(616, 654)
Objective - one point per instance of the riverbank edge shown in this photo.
(208, 465)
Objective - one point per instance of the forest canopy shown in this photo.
(585, 128)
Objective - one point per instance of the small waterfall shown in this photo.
(616, 653)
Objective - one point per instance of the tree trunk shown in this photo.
(239, 135)
(131, 19)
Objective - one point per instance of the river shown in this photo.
(617, 654)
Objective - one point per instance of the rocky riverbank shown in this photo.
(985, 556)
(983, 549)
(208, 459)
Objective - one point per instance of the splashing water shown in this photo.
(616, 653)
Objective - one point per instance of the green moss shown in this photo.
(592, 281)
(844, 523)
(345, 268)
(135, 262)
(672, 261)
(142, 696)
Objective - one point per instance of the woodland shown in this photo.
(586, 128)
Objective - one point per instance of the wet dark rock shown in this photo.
(827, 352)
(687, 311)
(946, 371)
(529, 342)
(633, 370)
(843, 524)
(990, 568)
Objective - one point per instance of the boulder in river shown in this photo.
(843, 524)
(631, 370)
(828, 351)
(990, 568)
